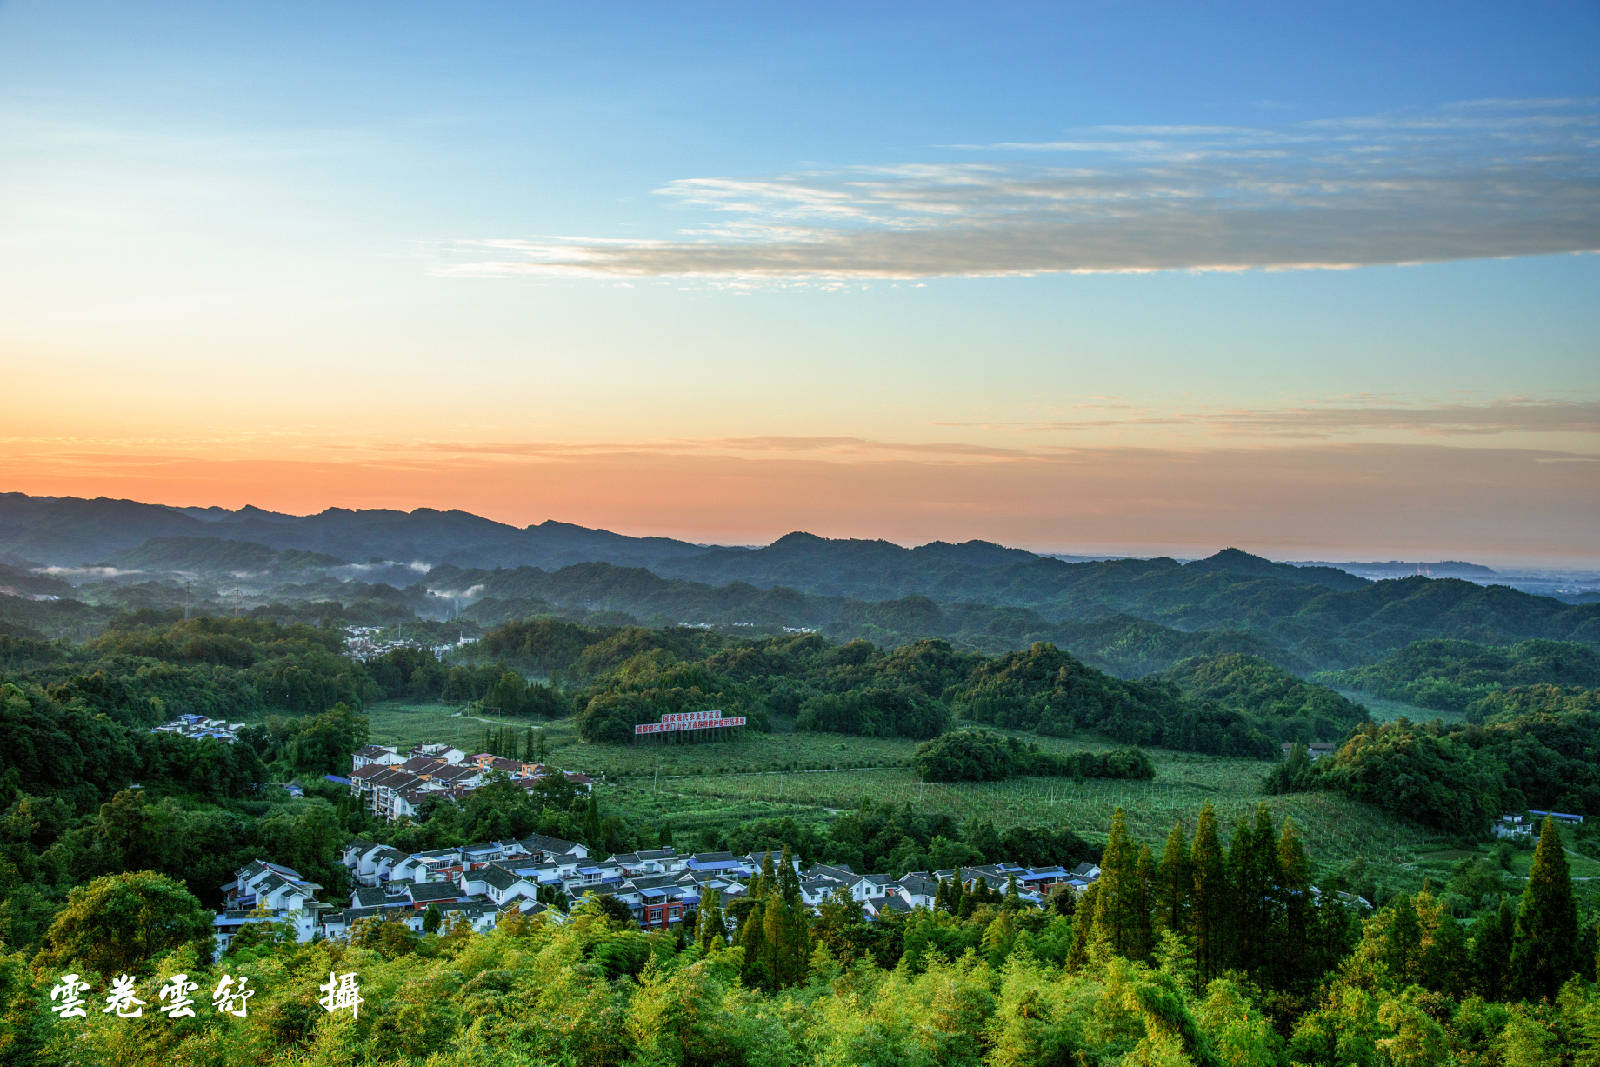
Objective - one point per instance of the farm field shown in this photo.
(403, 725)
(1385, 710)
(1336, 830)
(811, 777)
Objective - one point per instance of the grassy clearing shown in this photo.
(753, 753)
(1385, 710)
(689, 816)
(403, 725)
(1580, 866)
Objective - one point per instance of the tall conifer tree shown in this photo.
(1492, 938)
(1542, 957)
(1211, 902)
(1083, 927)
(752, 937)
(710, 929)
(793, 949)
(1144, 905)
(1116, 918)
(1175, 883)
(1290, 954)
(1253, 863)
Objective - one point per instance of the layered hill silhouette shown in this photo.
(1130, 616)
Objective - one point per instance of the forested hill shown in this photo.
(214, 554)
(977, 570)
(1453, 675)
(69, 531)
(1145, 625)
(1129, 616)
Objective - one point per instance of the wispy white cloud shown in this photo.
(1481, 179)
(1503, 416)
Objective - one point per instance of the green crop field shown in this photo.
(1335, 829)
(1385, 710)
(403, 725)
(813, 776)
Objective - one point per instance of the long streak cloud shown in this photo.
(1487, 179)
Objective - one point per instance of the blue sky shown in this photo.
(878, 242)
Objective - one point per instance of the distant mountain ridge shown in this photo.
(1133, 616)
(1394, 568)
(70, 531)
(218, 554)
(74, 531)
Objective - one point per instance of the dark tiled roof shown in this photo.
(429, 892)
(553, 845)
(497, 876)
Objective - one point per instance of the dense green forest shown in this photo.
(1458, 778)
(1232, 705)
(1460, 675)
(1284, 707)
(1050, 692)
(1210, 953)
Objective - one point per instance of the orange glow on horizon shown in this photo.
(1338, 501)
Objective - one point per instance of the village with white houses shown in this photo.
(364, 643)
(476, 884)
(395, 786)
(197, 727)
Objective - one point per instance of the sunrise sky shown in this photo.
(1313, 280)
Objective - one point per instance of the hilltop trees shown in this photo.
(511, 694)
(1281, 705)
(654, 683)
(1458, 778)
(1420, 771)
(875, 712)
(117, 923)
(1458, 675)
(980, 756)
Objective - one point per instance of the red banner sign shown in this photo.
(688, 720)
